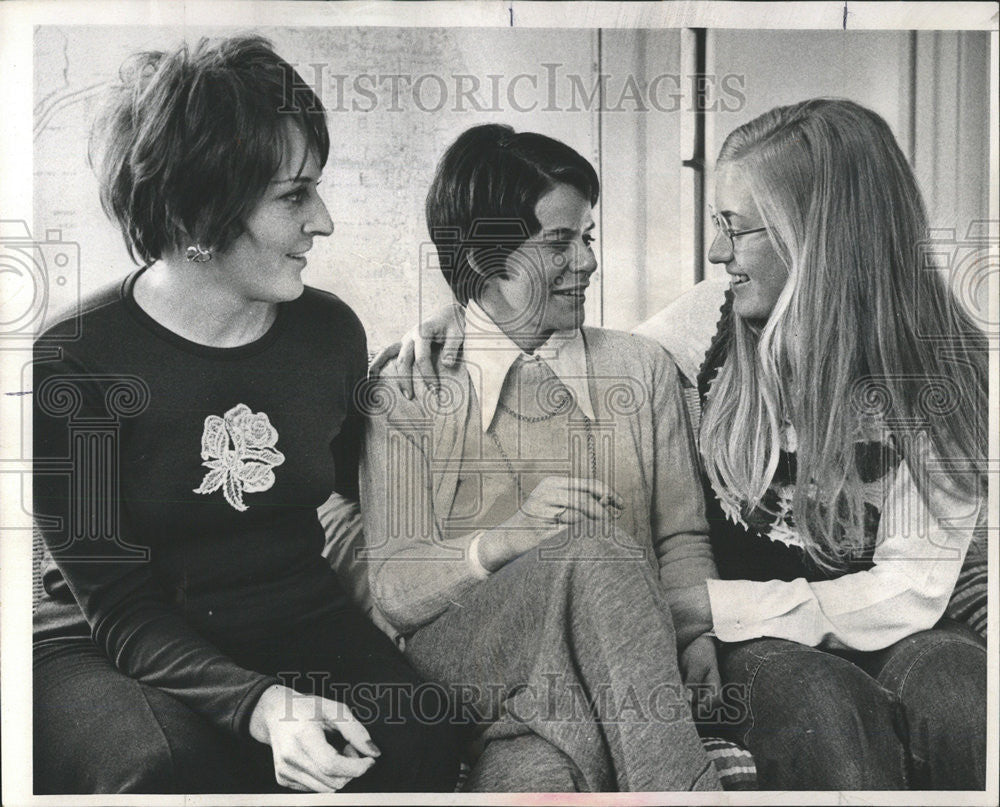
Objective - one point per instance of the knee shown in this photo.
(590, 549)
(939, 677)
(116, 762)
(191, 765)
(943, 687)
(815, 720)
(146, 767)
(186, 755)
(805, 685)
(816, 699)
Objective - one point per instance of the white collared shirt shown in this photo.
(489, 354)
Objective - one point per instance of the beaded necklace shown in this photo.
(564, 404)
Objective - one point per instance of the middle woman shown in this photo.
(527, 524)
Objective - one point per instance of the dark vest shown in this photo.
(745, 549)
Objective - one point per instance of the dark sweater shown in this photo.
(746, 547)
(176, 486)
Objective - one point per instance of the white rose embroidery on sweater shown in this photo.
(238, 450)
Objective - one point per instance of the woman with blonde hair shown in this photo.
(843, 438)
(843, 441)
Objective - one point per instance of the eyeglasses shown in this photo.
(724, 227)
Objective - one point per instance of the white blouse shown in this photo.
(921, 542)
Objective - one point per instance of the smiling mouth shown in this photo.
(578, 293)
(739, 279)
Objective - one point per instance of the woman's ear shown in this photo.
(188, 245)
(199, 231)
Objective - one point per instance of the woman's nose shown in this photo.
(721, 249)
(584, 260)
(319, 222)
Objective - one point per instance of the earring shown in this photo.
(196, 254)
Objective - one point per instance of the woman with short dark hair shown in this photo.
(526, 527)
(481, 206)
(205, 405)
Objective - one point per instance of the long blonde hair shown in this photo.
(862, 332)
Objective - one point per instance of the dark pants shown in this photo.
(98, 731)
(912, 716)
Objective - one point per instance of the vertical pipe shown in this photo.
(599, 61)
(696, 162)
(912, 111)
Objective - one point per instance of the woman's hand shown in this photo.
(557, 501)
(413, 365)
(567, 500)
(295, 727)
(700, 671)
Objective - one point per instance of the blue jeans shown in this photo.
(911, 716)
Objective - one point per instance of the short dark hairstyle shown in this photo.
(481, 204)
(191, 139)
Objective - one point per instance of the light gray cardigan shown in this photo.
(412, 462)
